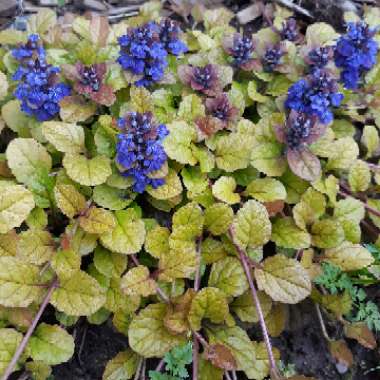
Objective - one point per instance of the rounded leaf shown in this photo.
(283, 279)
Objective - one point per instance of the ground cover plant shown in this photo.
(187, 185)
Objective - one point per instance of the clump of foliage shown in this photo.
(148, 167)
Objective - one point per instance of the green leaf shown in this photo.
(38, 370)
(19, 282)
(15, 119)
(283, 279)
(148, 335)
(137, 281)
(177, 144)
(81, 242)
(194, 180)
(218, 218)
(128, 236)
(16, 203)
(122, 367)
(359, 176)
(349, 256)
(69, 200)
(210, 303)
(97, 221)
(37, 219)
(25, 157)
(65, 137)
(254, 94)
(109, 263)
(251, 226)
(8, 244)
(266, 190)
(66, 263)
(245, 309)
(304, 163)
(190, 108)
(267, 157)
(87, 171)
(286, 234)
(78, 295)
(327, 233)
(35, 246)
(51, 344)
(110, 197)
(10, 339)
(208, 372)
(223, 189)
(228, 275)
(75, 109)
(170, 189)
(42, 22)
(212, 250)
(157, 241)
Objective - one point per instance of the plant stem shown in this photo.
(32, 327)
(247, 270)
(228, 377)
(195, 357)
(197, 279)
(160, 365)
(138, 370)
(200, 338)
(322, 323)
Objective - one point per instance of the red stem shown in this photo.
(195, 358)
(32, 327)
(247, 270)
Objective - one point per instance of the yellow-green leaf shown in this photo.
(283, 279)
(266, 190)
(177, 264)
(223, 189)
(286, 234)
(210, 303)
(349, 256)
(157, 241)
(19, 282)
(67, 138)
(87, 171)
(218, 218)
(128, 235)
(359, 176)
(10, 339)
(69, 200)
(122, 367)
(78, 295)
(251, 226)
(97, 221)
(228, 275)
(51, 344)
(148, 335)
(170, 189)
(16, 203)
(25, 156)
(327, 233)
(66, 263)
(137, 281)
(35, 246)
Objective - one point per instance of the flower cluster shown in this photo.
(356, 53)
(319, 57)
(290, 30)
(221, 108)
(139, 149)
(144, 50)
(272, 57)
(240, 48)
(89, 81)
(39, 89)
(204, 79)
(298, 129)
(315, 95)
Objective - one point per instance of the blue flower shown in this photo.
(272, 57)
(38, 88)
(356, 53)
(315, 95)
(319, 57)
(144, 50)
(139, 149)
(290, 30)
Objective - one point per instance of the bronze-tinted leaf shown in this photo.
(304, 164)
(220, 356)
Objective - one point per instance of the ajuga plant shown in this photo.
(187, 186)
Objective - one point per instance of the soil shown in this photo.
(301, 344)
